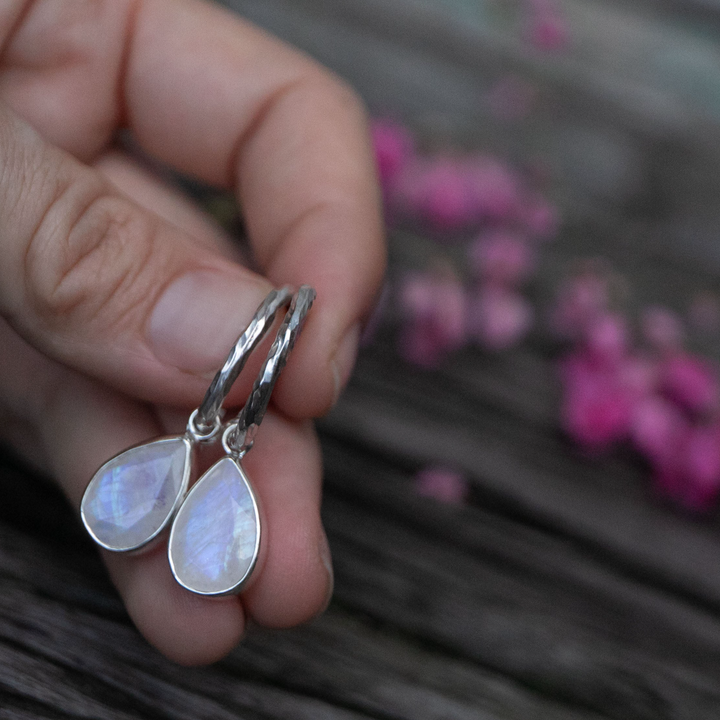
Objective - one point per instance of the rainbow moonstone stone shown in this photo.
(215, 539)
(133, 496)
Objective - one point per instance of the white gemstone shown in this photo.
(132, 497)
(215, 538)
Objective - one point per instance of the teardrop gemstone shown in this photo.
(215, 539)
(133, 496)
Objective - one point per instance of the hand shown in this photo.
(118, 299)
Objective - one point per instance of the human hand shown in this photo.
(119, 300)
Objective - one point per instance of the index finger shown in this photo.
(218, 98)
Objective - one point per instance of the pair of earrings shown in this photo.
(215, 538)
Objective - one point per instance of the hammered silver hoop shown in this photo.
(206, 421)
(239, 434)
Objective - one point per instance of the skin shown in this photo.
(94, 247)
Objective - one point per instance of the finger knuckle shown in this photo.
(89, 249)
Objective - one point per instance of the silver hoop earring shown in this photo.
(216, 538)
(133, 497)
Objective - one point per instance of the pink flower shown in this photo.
(662, 329)
(690, 381)
(599, 399)
(394, 147)
(657, 429)
(578, 368)
(501, 257)
(442, 484)
(606, 338)
(498, 318)
(580, 300)
(452, 194)
(436, 192)
(635, 375)
(693, 480)
(638, 374)
(540, 218)
(433, 307)
(494, 189)
(548, 33)
(596, 412)
(660, 400)
(702, 455)
(547, 29)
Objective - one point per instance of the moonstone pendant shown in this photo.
(133, 496)
(215, 538)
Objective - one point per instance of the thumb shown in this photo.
(105, 286)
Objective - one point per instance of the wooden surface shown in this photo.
(562, 589)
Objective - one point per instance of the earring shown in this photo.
(216, 537)
(133, 496)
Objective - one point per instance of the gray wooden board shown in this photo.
(563, 588)
(440, 612)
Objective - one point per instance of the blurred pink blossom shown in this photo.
(443, 484)
(434, 191)
(690, 381)
(605, 395)
(638, 373)
(596, 410)
(394, 147)
(547, 30)
(606, 338)
(541, 219)
(433, 308)
(501, 257)
(693, 480)
(662, 329)
(580, 300)
(657, 429)
(664, 400)
(498, 317)
(548, 33)
(494, 189)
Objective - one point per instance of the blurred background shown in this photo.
(512, 537)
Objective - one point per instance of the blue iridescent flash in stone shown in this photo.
(215, 537)
(134, 495)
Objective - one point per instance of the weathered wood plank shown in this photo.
(604, 504)
(490, 595)
(619, 148)
(606, 646)
(312, 672)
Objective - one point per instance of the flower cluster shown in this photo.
(453, 198)
(651, 393)
(484, 204)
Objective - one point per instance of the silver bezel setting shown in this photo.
(238, 586)
(187, 470)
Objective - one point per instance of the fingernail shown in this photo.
(326, 560)
(344, 360)
(199, 317)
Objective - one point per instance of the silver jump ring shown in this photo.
(205, 422)
(239, 435)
